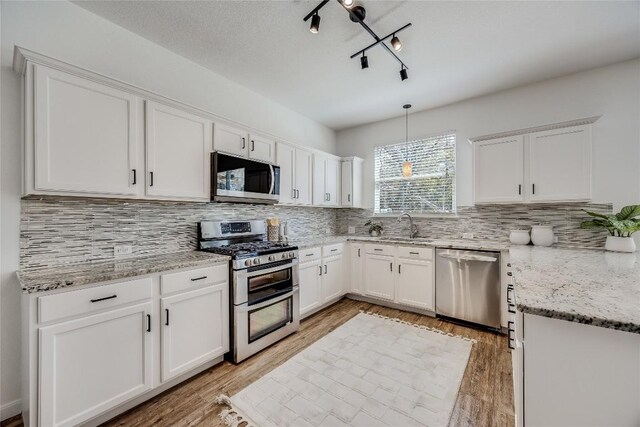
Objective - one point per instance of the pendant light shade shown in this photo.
(407, 169)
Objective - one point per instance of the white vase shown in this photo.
(519, 237)
(542, 235)
(620, 244)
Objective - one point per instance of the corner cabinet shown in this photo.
(178, 146)
(82, 137)
(550, 165)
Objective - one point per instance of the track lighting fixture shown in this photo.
(357, 14)
(396, 43)
(364, 61)
(315, 23)
(403, 74)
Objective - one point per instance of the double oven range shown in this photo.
(264, 300)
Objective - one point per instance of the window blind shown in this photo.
(430, 188)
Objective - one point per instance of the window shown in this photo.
(428, 184)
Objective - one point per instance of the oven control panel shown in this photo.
(243, 263)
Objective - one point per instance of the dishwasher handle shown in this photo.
(480, 258)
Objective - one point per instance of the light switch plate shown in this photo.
(352, 229)
(122, 250)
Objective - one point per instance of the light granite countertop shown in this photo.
(593, 287)
(470, 244)
(94, 272)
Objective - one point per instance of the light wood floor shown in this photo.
(485, 398)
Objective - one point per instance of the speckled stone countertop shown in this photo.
(94, 272)
(470, 244)
(593, 287)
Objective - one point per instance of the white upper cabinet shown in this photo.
(262, 149)
(326, 179)
(352, 183)
(295, 174)
(546, 166)
(85, 136)
(560, 164)
(499, 172)
(178, 147)
(230, 140)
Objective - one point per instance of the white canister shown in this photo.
(519, 237)
(542, 235)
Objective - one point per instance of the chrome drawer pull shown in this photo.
(333, 250)
(105, 298)
(377, 250)
(199, 278)
(414, 253)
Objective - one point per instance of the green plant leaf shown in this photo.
(593, 224)
(596, 215)
(628, 212)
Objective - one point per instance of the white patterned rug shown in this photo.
(371, 371)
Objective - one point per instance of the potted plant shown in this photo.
(620, 227)
(375, 228)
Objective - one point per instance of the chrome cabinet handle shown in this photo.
(325, 269)
(348, 197)
(414, 253)
(151, 177)
(253, 145)
(244, 143)
(391, 266)
(377, 249)
(358, 252)
(519, 189)
(135, 180)
(320, 267)
(399, 268)
(105, 298)
(166, 310)
(533, 188)
(293, 193)
(148, 323)
(198, 278)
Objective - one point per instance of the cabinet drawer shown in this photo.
(310, 254)
(415, 252)
(185, 280)
(379, 249)
(67, 304)
(330, 250)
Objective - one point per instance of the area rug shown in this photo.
(371, 371)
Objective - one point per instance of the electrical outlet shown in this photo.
(352, 229)
(467, 235)
(122, 250)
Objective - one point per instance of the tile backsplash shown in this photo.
(65, 230)
(491, 222)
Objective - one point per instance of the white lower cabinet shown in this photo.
(89, 352)
(322, 277)
(403, 275)
(195, 328)
(356, 270)
(91, 364)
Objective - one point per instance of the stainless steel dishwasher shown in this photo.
(468, 286)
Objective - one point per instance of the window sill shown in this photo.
(423, 215)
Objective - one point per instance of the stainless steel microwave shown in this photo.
(239, 180)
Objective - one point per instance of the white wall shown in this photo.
(612, 91)
(67, 32)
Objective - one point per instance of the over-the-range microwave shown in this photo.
(239, 180)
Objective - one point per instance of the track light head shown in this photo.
(396, 43)
(403, 74)
(315, 23)
(347, 3)
(364, 61)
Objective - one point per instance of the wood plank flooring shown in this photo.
(485, 397)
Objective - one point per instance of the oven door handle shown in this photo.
(248, 274)
(244, 308)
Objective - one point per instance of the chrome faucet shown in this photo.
(413, 229)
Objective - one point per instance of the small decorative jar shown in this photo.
(519, 237)
(542, 235)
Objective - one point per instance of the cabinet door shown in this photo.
(178, 147)
(332, 180)
(286, 157)
(319, 185)
(415, 283)
(310, 279)
(379, 276)
(195, 328)
(94, 363)
(303, 176)
(346, 198)
(356, 263)
(230, 140)
(332, 278)
(560, 164)
(85, 136)
(498, 173)
(262, 149)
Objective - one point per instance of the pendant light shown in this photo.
(407, 166)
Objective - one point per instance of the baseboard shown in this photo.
(390, 304)
(10, 409)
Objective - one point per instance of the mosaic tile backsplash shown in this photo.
(64, 230)
(492, 222)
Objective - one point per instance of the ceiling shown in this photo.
(455, 49)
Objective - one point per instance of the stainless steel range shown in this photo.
(265, 304)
